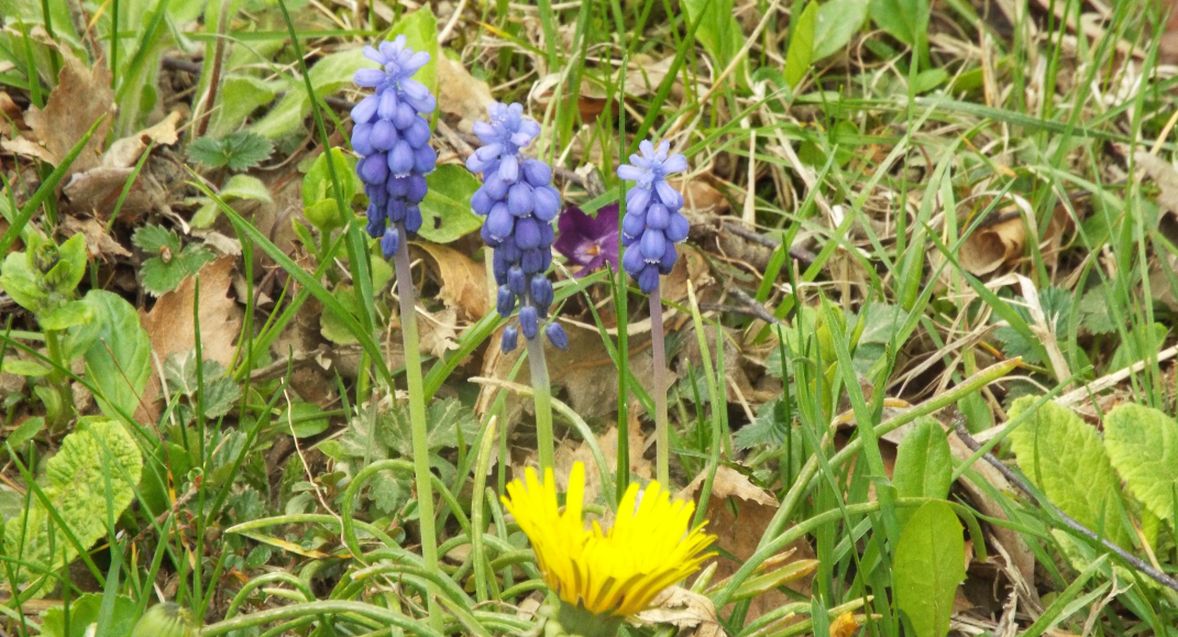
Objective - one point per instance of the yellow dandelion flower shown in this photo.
(615, 572)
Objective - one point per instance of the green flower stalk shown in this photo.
(392, 137)
(519, 203)
(653, 224)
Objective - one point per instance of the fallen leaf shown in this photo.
(171, 327)
(1015, 549)
(463, 281)
(81, 97)
(570, 452)
(438, 332)
(994, 246)
(583, 375)
(738, 514)
(701, 197)
(123, 153)
(1168, 47)
(28, 148)
(730, 483)
(461, 94)
(99, 243)
(9, 111)
(1164, 174)
(98, 189)
(685, 609)
(642, 79)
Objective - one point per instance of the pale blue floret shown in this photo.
(653, 223)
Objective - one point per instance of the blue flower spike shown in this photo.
(391, 134)
(653, 222)
(519, 204)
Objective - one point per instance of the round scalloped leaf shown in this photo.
(90, 480)
(1065, 458)
(1143, 445)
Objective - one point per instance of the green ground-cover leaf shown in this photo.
(718, 32)
(445, 211)
(118, 361)
(1065, 458)
(334, 71)
(924, 466)
(838, 21)
(929, 565)
(236, 151)
(1142, 443)
(90, 480)
(801, 45)
(84, 612)
(171, 261)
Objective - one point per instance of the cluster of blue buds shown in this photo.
(392, 139)
(519, 203)
(653, 223)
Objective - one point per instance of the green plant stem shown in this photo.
(542, 395)
(324, 607)
(662, 436)
(57, 377)
(419, 431)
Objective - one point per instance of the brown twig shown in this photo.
(209, 102)
(1068, 521)
(798, 253)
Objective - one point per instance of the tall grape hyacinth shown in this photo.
(392, 139)
(519, 203)
(653, 224)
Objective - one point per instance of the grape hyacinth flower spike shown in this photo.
(392, 139)
(651, 227)
(653, 223)
(391, 135)
(519, 204)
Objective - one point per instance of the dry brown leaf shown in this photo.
(738, 514)
(685, 610)
(81, 97)
(584, 375)
(99, 243)
(171, 328)
(461, 94)
(28, 148)
(570, 452)
(463, 281)
(1168, 47)
(690, 266)
(9, 112)
(994, 246)
(701, 197)
(1164, 175)
(97, 190)
(642, 79)
(1014, 547)
(123, 153)
(438, 332)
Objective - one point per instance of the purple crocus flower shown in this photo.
(392, 139)
(589, 242)
(653, 223)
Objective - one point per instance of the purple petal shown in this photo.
(676, 163)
